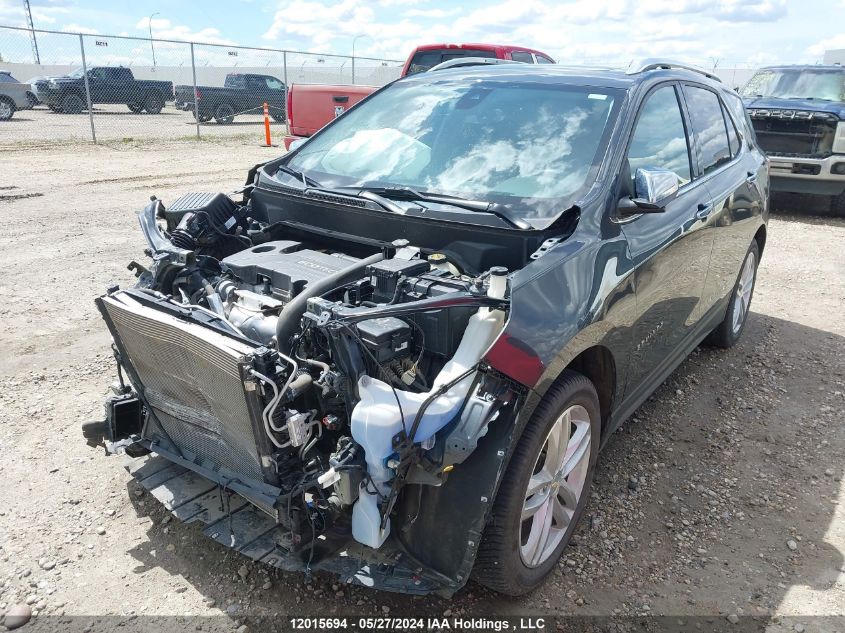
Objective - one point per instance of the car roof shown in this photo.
(478, 46)
(563, 74)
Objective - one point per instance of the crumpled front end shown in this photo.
(300, 400)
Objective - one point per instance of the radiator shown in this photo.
(190, 378)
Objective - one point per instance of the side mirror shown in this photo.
(651, 188)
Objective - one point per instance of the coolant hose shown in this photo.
(291, 314)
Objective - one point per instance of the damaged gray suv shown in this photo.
(395, 354)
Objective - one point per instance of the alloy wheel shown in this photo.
(744, 288)
(556, 486)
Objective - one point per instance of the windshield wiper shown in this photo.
(479, 206)
(307, 181)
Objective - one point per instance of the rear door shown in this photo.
(730, 167)
(670, 250)
(124, 88)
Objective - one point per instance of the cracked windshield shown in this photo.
(533, 147)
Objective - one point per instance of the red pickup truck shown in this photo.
(311, 106)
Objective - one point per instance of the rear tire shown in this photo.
(72, 104)
(729, 331)
(549, 478)
(278, 118)
(136, 107)
(153, 104)
(224, 114)
(7, 109)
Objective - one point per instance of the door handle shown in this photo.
(703, 211)
(751, 176)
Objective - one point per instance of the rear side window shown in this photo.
(426, 60)
(235, 81)
(660, 139)
(122, 74)
(274, 84)
(708, 124)
(740, 115)
(522, 56)
(6, 78)
(733, 135)
(542, 59)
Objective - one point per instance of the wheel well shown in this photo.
(596, 363)
(760, 237)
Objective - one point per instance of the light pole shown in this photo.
(355, 39)
(152, 48)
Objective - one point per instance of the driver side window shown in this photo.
(659, 140)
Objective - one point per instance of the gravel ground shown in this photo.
(722, 496)
(115, 123)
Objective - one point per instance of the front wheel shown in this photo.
(135, 107)
(544, 490)
(729, 331)
(72, 104)
(224, 114)
(7, 109)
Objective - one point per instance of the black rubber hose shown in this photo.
(291, 314)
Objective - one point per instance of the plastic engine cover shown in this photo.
(286, 265)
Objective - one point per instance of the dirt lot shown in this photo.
(722, 496)
(114, 123)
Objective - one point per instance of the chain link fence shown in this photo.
(115, 88)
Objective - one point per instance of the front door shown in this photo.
(670, 250)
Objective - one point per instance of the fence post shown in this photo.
(353, 69)
(87, 89)
(196, 101)
(285, 69)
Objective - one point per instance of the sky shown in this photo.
(721, 33)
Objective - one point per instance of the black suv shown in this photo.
(396, 355)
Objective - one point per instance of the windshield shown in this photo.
(76, 74)
(533, 147)
(797, 83)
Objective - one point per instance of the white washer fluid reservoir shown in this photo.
(377, 418)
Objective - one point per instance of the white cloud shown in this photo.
(751, 10)
(818, 49)
(166, 30)
(431, 13)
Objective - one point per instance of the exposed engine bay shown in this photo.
(317, 383)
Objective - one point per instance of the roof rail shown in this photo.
(458, 62)
(655, 63)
